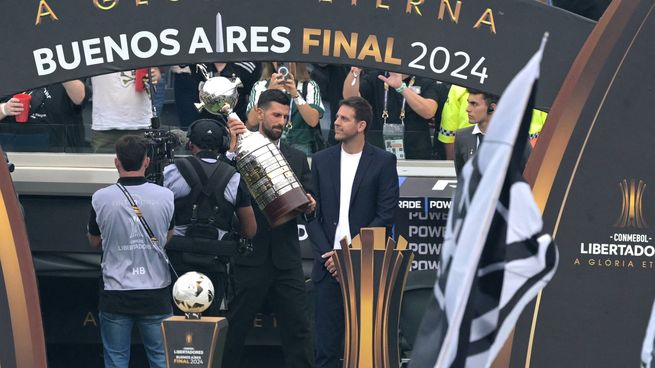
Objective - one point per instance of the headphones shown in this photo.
(224, 142)
(490, 110)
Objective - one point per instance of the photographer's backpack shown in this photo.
(205, 210)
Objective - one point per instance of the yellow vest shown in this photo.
(454, 116)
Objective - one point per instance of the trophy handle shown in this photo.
(240, 137)
(202, 68)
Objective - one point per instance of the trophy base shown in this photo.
(283, 208)
(194, 342)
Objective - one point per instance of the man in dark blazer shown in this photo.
(356, 186)
(274, 268)
(480, 109)
(466, 144)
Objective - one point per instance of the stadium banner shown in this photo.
(473, 43)
(593, 177)
(421, 217)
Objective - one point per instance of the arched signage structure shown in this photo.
(473, 43)
(21, 340)
(593, 176)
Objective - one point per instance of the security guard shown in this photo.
(454, 117)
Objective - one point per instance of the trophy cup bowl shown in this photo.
(218, 95)
(272, 184)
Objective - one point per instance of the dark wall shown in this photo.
(592, 9)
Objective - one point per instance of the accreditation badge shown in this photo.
(394, 139)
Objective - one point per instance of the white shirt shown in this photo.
(313, 93)
(117, 104)
(349, 163)
(477, 131)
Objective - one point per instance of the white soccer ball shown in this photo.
(193, 292)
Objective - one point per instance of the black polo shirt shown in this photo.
(418, 144)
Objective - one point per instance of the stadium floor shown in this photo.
(90, 356)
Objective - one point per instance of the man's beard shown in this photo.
(272, 134)
(345, 137)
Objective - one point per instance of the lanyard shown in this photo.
(138, 213)
(151, 235)
(385, 112)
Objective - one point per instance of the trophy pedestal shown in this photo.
(372, 275)
(282, 209)
(194, 342)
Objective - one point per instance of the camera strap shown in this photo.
(151, 235)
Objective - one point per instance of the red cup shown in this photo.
(24, 99)
(139, 76)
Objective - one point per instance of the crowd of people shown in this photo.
(351, 185)
(354, 123)
(413, 117)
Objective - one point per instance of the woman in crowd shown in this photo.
(303, 130)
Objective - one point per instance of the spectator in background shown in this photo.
(536, 125)
(455, 117)
(185, 90)
(330, 79)
(120, 107)
(160, 93)
(54, 120)
(303, 130)
(187, 81)
(481, 106)
(403, 107)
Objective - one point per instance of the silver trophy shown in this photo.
(272, 184)
(218, 95)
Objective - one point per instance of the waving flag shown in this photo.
(495, 258)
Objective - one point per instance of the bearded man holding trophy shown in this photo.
(279, 182)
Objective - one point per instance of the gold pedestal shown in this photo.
(372, 274)
(194, 343)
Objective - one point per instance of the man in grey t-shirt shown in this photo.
(135, 272)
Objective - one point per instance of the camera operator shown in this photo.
(208, 192)
(131, 221)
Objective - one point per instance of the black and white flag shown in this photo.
(494, 258)
(648, 346)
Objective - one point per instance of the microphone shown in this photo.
(181, 139)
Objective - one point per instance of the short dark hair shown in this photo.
(363, 109)
(488, 97)
(272, 95)
(131, 151)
